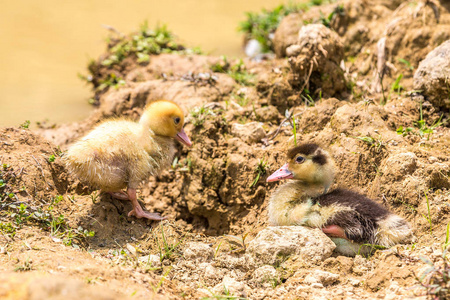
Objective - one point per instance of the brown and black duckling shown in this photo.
(120, 154)
(354, 222)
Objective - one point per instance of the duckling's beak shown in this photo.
(282, 173)
(183, 138)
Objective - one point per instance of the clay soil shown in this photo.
(62, 240)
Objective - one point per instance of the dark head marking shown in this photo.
(305, 149)
(320, 158)
(308, 149)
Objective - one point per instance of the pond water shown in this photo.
(45, 44)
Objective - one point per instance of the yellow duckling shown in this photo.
(121, 154)
(353, 221)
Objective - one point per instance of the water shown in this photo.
(45, 44)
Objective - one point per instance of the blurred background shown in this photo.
(45, 44)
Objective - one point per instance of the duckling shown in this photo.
(351, 220)
(121, 154)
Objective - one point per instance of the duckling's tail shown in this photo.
(393, 230)
(84, 163)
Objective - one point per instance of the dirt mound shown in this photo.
(433, 76)
(315, 60)
(382, 40)
(31, 167)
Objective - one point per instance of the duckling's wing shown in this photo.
(356, 201)
(353, 212)
(357, 228)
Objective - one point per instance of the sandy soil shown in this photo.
(60, 238)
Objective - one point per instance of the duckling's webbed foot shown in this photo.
(138, 212)
(335, 231)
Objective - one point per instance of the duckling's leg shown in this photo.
(335, 231)
(137, 209)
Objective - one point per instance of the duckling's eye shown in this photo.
(176, 120)
(299, 159)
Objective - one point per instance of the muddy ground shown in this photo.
(390, 140)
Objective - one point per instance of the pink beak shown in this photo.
(282, 173)
(183, 138)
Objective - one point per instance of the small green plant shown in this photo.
(435, 280)
(404, 131)
(25, 124)
(274, 281)
(240, 99)
(372, 247)
(222, 66)
(183, 165)
(56, 200)
(200, 114)
(175, 162)
(8, 228)
(326, 21)
(262, 25)
(354, 90)
(412, 247)
(423, 127)
(447, 238)
(237, 243)
(257, 117)
(409, 206)
(396, 87)
(72, 237)
(237, 71)
(21, 215)
(351, 59)
(148, 266)
(225, 296)
(375, 143)
(406, 63)
(26, 266)
(94, 197)
(45, 217)
(261, 169)
(166, 250)
(56, 224)
(294, 130)
(91, 280)
(141, 44)
(161, 281)
(428, 217)
(51, 158)
(383, 99)
(110, 81)
(217, 249)
(306, 96)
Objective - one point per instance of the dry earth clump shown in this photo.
(432, 77)
(315, 60)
